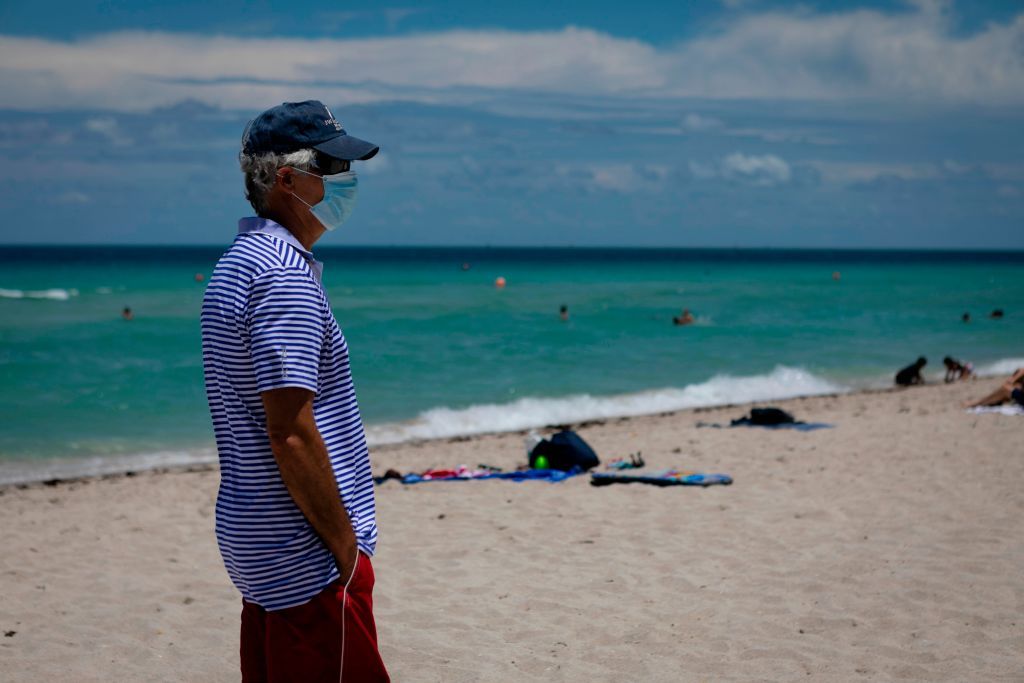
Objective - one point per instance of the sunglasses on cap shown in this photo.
(329, 165)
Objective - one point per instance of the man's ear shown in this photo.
(285, 178)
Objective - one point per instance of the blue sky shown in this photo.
(712, 123)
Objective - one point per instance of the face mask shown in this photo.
(340, 192)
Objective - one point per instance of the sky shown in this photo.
(704, 123)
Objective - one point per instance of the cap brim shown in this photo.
(348, 148)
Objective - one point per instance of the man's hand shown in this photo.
(306, 471)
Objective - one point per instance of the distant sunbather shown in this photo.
(1012, 390)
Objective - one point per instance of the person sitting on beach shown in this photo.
(911, 374)
(1010, 391)
(955, 370)
(685, 319)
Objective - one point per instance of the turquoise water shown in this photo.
(438, 350)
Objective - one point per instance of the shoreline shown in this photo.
(205, 459)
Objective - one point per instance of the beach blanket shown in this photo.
(670, 477)
(795, 426)
(463, 473)
(1009, 409)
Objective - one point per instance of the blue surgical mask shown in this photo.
(340, 192)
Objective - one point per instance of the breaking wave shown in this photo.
(52, 294)
(783, 382)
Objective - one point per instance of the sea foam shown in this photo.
(999, 367)
(783, 382)
(52, 294)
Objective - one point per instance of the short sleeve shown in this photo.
(285, 321)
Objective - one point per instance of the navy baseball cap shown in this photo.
(292, 126)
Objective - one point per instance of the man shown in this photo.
(296, 522)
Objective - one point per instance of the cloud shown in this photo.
(108, 128)
(915, 55)
(698, 123)
(74, 197)
(765, 170)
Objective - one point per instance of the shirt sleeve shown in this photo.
(285, 321)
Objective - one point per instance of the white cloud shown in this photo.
(913, 55)
(108, 128)
(612, 177)
(697, 123)
(765, 170)
(74, 197)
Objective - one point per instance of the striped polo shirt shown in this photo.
(267, 324)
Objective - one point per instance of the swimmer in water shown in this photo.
(563, 313)
(127, 313)
(685, 319)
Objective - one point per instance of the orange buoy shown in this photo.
(499, 282)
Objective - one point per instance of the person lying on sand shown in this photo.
(1012, 390)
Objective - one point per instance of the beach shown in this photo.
(889, 547)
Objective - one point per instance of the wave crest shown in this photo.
(55, 294)
(783, 382)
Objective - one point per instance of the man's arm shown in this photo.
(306, 470)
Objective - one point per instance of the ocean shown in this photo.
(438, 350)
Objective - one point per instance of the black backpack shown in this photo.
(564, 451)
(766, 417)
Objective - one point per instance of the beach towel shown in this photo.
(1009, 409)
(462, 473)
(670, 477)
(795, 426)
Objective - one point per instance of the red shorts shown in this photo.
(331, 638)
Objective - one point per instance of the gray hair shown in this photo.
(261, 173)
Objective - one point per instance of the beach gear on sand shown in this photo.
(463, 473)
(635, 461)
(670, 477)
(795, 426)
(770, 418)
(564, 451)
(766, 417)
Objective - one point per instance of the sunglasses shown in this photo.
(329, 165)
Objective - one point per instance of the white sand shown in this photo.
(889, 548)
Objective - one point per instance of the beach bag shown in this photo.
(564, 451)
(770, 416)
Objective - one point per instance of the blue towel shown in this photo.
(521, 475)
(661, 478)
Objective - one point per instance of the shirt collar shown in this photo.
(266, 226)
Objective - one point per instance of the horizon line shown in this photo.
(201, 245)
